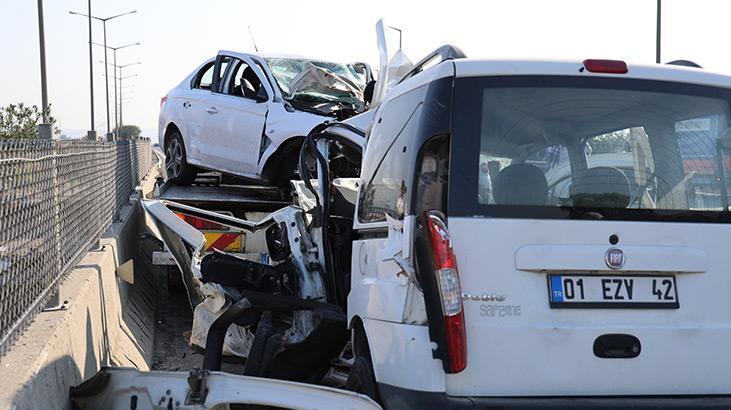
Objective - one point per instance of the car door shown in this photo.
(192, 108)
(236, 116)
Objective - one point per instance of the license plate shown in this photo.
(636, 291)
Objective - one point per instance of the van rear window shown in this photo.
(611, 148)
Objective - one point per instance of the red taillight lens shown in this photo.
(162, 100)
(606, 66)
(199, 223)
(450, 291)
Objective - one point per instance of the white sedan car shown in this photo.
(246, 115)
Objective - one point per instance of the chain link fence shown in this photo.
(56, 199)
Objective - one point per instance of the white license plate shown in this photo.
(636, 291)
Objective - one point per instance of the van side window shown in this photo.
(204, 77)
(388, 165)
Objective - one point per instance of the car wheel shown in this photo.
(176, 166)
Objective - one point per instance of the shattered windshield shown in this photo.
(321, 87)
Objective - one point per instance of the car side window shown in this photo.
(386, 179)
(204, 78)
(243, 82)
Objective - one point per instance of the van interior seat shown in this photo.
(520, 184)
(605, 187)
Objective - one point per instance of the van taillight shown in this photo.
(450, 291)
(200, 223)
(162, 100)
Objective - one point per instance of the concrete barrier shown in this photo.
(105, 321)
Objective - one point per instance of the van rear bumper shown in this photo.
(399, 398)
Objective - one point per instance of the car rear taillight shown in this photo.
(200, 223)
(606, 66)
(162, 100)
(450, 291)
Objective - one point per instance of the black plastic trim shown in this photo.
(445, 52)
(400, 398)
(426, 275)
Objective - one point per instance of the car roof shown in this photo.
(662, 72)
(275, 55)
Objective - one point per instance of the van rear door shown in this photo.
(589, 219)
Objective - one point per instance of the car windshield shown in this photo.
(322, 87)
(646, 146)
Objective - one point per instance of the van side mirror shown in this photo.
(261, 94)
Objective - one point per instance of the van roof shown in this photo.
(662, 72)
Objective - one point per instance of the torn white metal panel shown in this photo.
(397, 248)
(185, 243)
(125, 388)
(398, 66)
(414, 307)
(238, 339)
(382, 83)
(209, 300)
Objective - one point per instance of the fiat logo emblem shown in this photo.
(614, 258)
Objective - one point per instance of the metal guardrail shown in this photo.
(56, 199)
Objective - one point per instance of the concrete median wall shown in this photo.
(104, 321)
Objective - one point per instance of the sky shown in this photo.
(177, 35)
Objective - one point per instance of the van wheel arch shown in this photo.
(361, 378)
(359, 338)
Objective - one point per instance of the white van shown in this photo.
(587, 270)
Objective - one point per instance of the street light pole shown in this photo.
(114, 77)
(44, 129)
(121, 111)
(106, 71)
(92, 133)
(121, 98)
(657, 35)
(106, 79)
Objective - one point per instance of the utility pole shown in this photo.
(657, 35)
(45, 130)
(106, 72)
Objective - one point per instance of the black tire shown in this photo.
(176, 165)
(361, 378)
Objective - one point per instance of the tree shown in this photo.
(126, 132)
(21, 121)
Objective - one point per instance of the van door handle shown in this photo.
(186, 104)
(212, 110)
